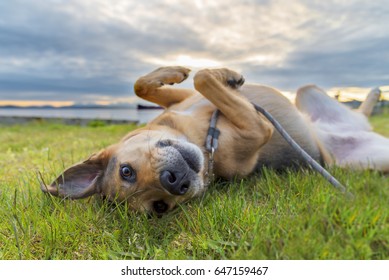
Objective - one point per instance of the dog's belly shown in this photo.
(353, 146)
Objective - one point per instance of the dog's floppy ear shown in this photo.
(80, 180)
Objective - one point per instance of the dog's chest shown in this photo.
(191, 106)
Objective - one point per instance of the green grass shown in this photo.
(295, 215)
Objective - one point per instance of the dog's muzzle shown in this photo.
(183, 162)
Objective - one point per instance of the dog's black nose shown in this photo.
(175, 183)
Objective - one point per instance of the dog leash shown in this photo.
(211, 145)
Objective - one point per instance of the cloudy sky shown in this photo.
(93, 50)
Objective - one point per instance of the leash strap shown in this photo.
(211, 146)
(213, 133)
(311, 162)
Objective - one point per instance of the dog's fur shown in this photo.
(165, 163)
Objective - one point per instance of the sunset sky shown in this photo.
(65, 51)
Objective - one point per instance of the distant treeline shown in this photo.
(380, 107)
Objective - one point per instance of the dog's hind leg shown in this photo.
(151, 87)
(371, 100)
(344, 133)
(319, 107)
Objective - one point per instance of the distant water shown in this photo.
(141, 116)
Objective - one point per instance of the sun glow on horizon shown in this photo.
(53, 103)
(27, 103)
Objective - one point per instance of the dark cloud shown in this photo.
(357, 66)
(58, 49)
(345, 46)
(65, 50)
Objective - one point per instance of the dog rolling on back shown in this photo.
(165, 163)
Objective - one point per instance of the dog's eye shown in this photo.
(160, 206)
(127, 173)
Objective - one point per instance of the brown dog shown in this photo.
(165, 163)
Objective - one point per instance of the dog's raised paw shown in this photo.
(226, 76)
(162, 76)
(235, 83)
(170, 75)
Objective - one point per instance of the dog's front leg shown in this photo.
(220, 86)
(151, 87)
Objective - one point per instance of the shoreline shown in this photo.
(11, 120)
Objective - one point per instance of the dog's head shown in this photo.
(152, 170)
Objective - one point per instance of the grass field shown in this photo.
(296, 215)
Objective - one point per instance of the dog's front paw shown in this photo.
(235, 81)
(167, 76)
(226, 76)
